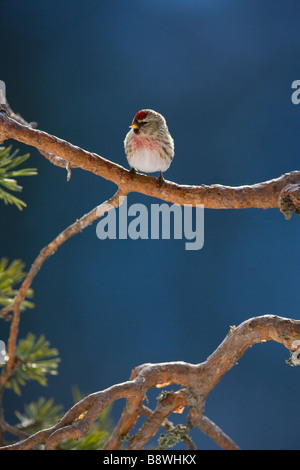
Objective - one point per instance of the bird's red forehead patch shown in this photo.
(140, 115)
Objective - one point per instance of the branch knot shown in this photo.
(289, 200)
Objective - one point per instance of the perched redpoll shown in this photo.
(149, 146)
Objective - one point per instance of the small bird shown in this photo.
(149, 146)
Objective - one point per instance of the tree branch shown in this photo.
(215, 433)
(266, 195)
(196, 382)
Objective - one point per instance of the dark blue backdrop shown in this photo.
(221, 73)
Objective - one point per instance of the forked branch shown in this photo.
(195, 382)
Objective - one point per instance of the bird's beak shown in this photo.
(134, 125)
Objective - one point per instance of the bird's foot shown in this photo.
(132, 171)
(160, 179)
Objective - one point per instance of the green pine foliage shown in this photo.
(35, 361)
(11, 275)
(9, 161)
(38, 415)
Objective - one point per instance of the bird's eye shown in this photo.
(143, 123)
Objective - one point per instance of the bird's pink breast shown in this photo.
(140, 142)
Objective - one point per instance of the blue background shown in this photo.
(220, 71)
